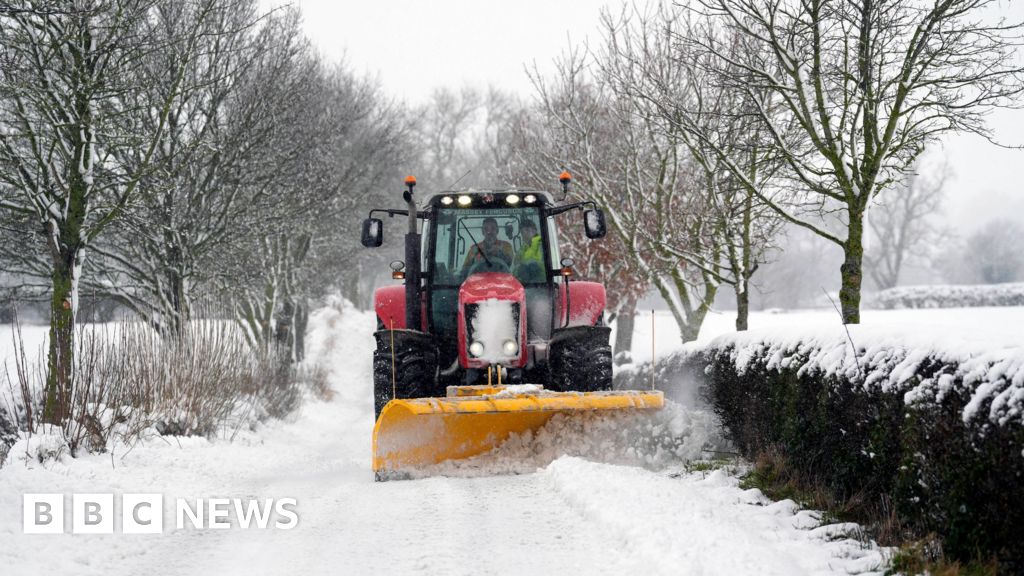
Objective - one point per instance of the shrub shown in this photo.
(941, 438)
(950, 296)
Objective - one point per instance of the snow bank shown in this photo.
(946, 296)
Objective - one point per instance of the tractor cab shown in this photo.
(490, 233)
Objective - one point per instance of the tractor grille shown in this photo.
(497, 324)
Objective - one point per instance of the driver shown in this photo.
(494, 249)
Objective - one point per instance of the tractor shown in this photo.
(489, 320)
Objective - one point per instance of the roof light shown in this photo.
(446, 200)
(530, 198)
(465, 200)
(512, 199)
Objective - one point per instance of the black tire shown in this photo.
(415, 367)
(580, 359)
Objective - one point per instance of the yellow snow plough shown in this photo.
(489, 336)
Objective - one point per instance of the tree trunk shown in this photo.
(624, 322)
(691, 330)
(301, 323)
(179, 314)
(283, 328)
(60, 363)
(742, 285)
(742, 303)
(852, 269)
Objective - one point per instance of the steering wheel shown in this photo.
(496, 265)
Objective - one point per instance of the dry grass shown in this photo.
(129, 380)
(915, 554)
(925, 556)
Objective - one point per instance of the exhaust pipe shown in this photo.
(413, 319)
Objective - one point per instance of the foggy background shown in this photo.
(414, 47)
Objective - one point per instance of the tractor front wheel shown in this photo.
(409, 370)
(580, 359)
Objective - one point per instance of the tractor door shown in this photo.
(440, 254)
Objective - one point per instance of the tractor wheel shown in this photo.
(415, 367)
(580, 359)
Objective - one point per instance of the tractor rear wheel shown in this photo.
(580, 359)
(414, 363)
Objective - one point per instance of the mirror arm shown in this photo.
(391, 212)
(574, 206)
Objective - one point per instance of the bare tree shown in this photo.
(904, 226)
(638, 170)
(448, 130)
(869, 83)
(342, 149)
(65, 112)
(516, 140)
(715, 121)
(992, 254)
(163, 251)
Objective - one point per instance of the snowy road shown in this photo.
(573, 516)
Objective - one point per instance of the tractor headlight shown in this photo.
(476, 349)
(512, 199)
(530, 198)
(510, 348)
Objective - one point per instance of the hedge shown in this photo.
(942, 296)
(939, 434)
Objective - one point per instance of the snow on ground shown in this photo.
(621, 505)
(34, 338)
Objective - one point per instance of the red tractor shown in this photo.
(487, 298)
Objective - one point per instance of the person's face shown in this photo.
(490, 231)
(528, 233)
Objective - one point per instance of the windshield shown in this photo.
(470, 240)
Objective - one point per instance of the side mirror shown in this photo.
(373, 232)
(593, 223)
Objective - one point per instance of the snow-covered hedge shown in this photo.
(932, 423)
(950, 296)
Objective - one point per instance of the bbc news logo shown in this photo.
(144, 513)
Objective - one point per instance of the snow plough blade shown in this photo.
(472, 420)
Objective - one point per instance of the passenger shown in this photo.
(530, 263)
(531, 250)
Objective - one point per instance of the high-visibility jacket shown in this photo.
(532, 252)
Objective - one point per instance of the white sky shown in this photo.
(415, 46)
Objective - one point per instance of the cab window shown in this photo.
(470, 240)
